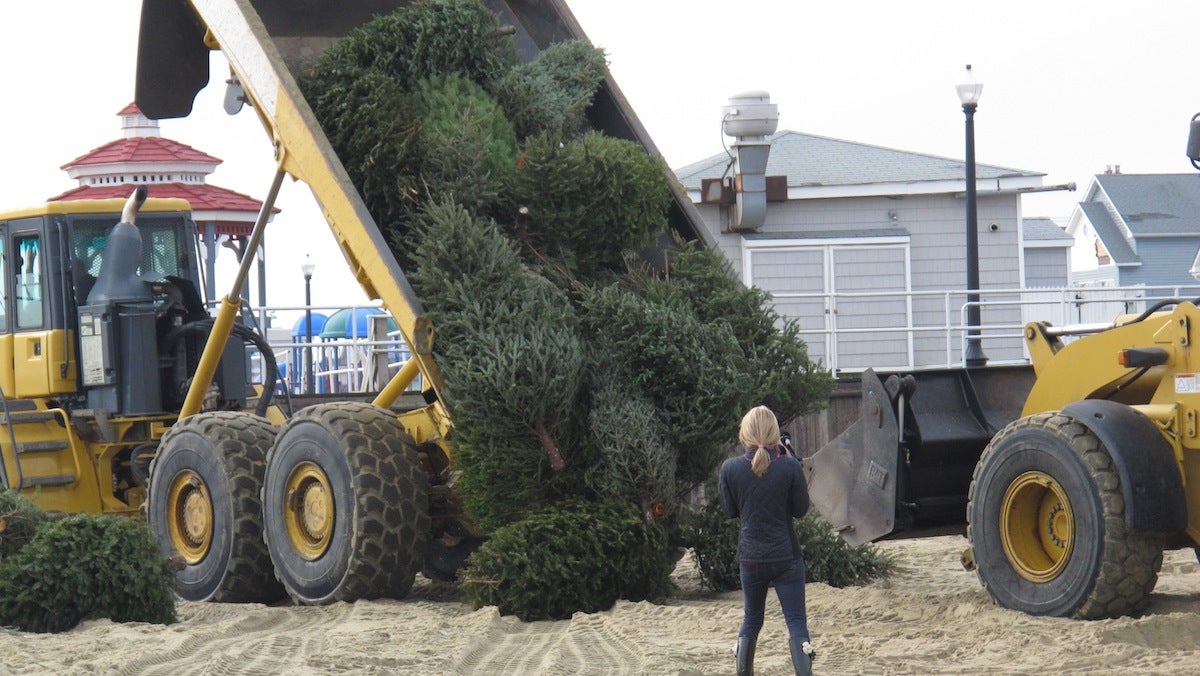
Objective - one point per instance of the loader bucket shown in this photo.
(852, 480)
(906, 464)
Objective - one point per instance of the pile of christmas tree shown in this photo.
(589, 394)
(57, 572)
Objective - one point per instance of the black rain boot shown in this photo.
(745, 655)
(802, 656)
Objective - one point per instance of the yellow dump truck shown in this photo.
(121, 394)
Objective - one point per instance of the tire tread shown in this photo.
(1130, 562)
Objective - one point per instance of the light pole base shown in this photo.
(974, 357)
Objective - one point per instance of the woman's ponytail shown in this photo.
(760, 462)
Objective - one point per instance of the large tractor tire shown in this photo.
(205, 507)
(1046, 523)
(347, 505)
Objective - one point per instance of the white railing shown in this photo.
(932, 335)
(932, 331)
(352, 364)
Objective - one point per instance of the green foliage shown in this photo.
(567, 375)
(461, 260)
(83, 567)
(426, 39)
(590, 200)
(713, 538)
(827, 557)
(550, 94)
(690, 370)
(636, 461)
(384, 164)
(831, 560)
(783, 378)
(19, 520)
(587, 555)
(468, 146)
(513, 365)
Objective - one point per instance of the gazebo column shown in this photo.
(262, 284)
(210, 260)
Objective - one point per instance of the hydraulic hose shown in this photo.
(248, 336)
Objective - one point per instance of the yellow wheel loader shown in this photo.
(1071, 476)
(341, 501)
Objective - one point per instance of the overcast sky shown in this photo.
(1069, 88)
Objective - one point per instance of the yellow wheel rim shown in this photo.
(191, 516)
(1037, 528)
(309, 511)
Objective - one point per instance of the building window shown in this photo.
(1102, 256)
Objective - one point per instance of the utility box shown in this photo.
(119, 358)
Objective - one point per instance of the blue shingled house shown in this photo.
(1134, 230)
(865, 246)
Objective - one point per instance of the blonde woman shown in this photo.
(765, 489)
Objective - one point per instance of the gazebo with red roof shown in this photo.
(168, 169)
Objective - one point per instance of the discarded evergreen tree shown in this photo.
(513, 364)
(19, 520)
(362, 89)
(576, 380)
(590, 201)
(425, 39)
(575, 557)
(83, 567)
(551, 94)
(775, 358)
(635, 459)
(691, 370)
(384, 165)
(468, 147)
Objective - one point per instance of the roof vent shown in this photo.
(750, 117)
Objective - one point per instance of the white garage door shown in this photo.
(850, 299)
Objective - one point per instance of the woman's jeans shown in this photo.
(788, 579)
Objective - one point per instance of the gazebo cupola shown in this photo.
(168, 169)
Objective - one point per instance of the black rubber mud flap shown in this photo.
(852, 479)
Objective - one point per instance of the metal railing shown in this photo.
(360, 362)
(930, 332)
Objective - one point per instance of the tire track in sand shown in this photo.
(584, 644)
(260, 642)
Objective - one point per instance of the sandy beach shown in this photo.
(930, 618)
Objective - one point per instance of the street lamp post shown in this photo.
(308, 267)
(969, 93)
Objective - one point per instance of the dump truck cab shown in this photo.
(91, 360)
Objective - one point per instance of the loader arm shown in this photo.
(1088, 369)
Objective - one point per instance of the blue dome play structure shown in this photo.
(343, 359)
(351, 323)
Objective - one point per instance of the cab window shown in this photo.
(3, 287)
(27, 282)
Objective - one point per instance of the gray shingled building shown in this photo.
(866, 245)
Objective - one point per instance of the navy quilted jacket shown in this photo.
(765, 506)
